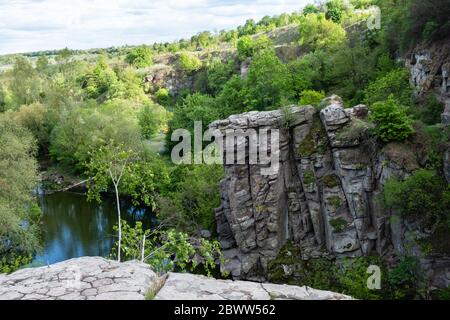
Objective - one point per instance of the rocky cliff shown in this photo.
(429, 66)
(323, 197)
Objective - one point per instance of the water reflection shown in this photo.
(73, 227)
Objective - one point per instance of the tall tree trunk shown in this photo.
(143, 248)
(120, 222)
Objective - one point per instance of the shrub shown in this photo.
(162, 96)
(423, 195)
(140, 57)
(189, 63)
(352, 277)
(311, 97)
(338, 224)
(431, 110)
(168, 250)
(395, 82)
(404, 279)
(392, 122)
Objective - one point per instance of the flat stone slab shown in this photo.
(185, 286)
(95, 278)
(86, 278)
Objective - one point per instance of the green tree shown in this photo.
(310, 9)
(310, 72)
(317, 32)
(248, 28)
(25, 85)
(34, 118)
(107, 165)
(218, 73)
(83, 129)
(189, 205)
(101, 82)
(152, 119)
(232, 98)
(335, 10)
(64, 55)
(268, 82)
(19, 214)
(194, 107)
(247, 46)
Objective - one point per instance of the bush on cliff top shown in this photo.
(392, 121)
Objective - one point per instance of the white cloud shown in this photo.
(32, 25)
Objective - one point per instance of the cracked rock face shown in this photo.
(323, 196)
(186, 286)
(95, 278)
(87, 278)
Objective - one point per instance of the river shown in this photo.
(73, 227)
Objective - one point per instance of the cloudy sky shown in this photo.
(32, 25)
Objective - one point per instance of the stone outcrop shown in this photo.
(323, 196)
(87, 278)
(429, 66)
(95, 278)
(186, 286)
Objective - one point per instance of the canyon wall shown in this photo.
(324, 196)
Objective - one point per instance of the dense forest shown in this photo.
(91, 115)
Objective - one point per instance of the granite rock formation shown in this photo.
(323, 196)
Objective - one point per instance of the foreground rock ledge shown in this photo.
(95, 278)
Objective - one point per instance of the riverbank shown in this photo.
(56, 178)
(95, 278)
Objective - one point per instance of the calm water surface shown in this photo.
(73, 227)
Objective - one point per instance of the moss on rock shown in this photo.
(316, 140)
(331, 180)
(289, 267)
(338, 224)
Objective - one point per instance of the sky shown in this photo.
(34, 25)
